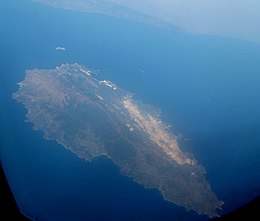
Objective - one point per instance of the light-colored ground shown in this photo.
(157, 132)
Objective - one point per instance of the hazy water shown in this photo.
(207, 87)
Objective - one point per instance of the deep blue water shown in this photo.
(207, 87)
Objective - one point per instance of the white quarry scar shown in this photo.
(157, 133)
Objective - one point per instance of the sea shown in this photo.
(207, 88)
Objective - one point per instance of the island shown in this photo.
(60, 49)
(93, 117)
